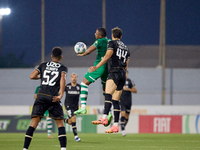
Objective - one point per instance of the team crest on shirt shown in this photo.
(77, 88)
(126, 84)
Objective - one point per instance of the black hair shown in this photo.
(102, 32)
(57, 52)
(117, 32)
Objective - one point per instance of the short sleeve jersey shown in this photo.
(120, 54)
(126, 95)
(72, 95)
(101, 45)
(50, 74)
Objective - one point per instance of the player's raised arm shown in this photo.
(133, 90)
(88, 51)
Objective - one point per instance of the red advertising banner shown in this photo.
(160, 124)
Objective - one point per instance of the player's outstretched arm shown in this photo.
(107, 56)
(88, 51)
(133, 90)
(35, 75)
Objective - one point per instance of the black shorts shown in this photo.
(43, 103)
(118, 76)
(125, 106)
(70, 110)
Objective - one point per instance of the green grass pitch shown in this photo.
(89, 141)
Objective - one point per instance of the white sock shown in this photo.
(115, 124)
(76, 136)
(63, 148)
(83, 106)
(104, 116)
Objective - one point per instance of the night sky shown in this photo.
(70, 21)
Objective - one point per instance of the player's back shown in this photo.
(120, 54)
(50, 73)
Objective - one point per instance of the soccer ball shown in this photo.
(80, 47)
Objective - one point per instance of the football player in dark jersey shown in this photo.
(117, 56)
(126, 102)
(72, 90)
(52, 87)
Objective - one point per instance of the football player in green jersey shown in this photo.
(101, 46)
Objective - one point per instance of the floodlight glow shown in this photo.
(5, 11)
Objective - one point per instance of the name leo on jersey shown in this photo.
(73, 92)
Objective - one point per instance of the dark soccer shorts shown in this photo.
(125, 106)
(70, 110)
(43, 103)
(118, 76)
